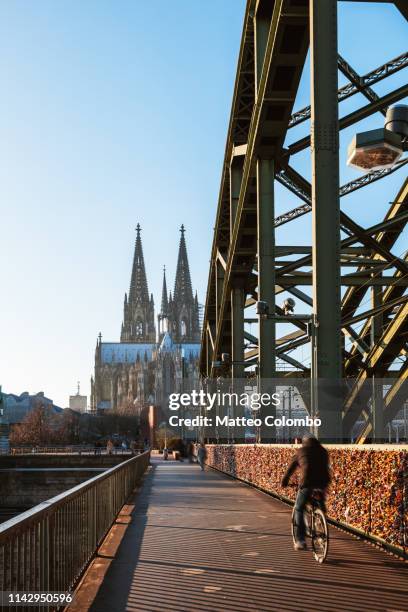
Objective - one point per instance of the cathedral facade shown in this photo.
(149, 363)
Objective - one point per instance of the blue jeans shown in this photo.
(302, 498)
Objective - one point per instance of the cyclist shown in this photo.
(313, 462)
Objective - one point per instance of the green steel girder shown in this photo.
(260, 119)
(271, 114)
(381, 356)
(304, 279)
(295, 186)
(357, 115)
(359, 234)
(395, 214)
(401, 5)
(358, 85)
(395, 397)
(357, 81)
(353, 296)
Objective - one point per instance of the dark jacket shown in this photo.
(313, 462)
(201, 453)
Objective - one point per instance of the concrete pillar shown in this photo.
(326, 213)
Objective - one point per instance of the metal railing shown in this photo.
(48, 547)
(72, 449)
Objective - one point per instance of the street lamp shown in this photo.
(381, 148)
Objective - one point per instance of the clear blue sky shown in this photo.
(114, 113)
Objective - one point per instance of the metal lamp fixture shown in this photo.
(381, 148)
(288, 306)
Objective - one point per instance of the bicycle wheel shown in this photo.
(320, 536)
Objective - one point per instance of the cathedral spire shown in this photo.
(138, 292)
(164, 301)
(182, 286)
(138, 316)
(183, 319)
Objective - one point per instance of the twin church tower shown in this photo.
(179, 314)
(148, 362)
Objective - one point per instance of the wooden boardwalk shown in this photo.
(199, 541)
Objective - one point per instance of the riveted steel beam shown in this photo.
(266, 264)
(293, 185)
(358, 84)
(355, 116)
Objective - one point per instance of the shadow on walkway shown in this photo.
(198, 541)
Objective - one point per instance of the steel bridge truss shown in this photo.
(345, 264)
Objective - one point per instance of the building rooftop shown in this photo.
(125, 352)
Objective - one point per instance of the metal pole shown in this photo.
(237, 291)
(237, 312)
(284, 414)
(377, 388)
(238, 371)
(183, 411)
(219, 287)
(262, 25)
(236, 168)
(326, 210)
(290, 411)
(266, 281)
(208, 353)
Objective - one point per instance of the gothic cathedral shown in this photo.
(148, 364)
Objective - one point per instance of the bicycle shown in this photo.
(314, 516)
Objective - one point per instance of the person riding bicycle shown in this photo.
(313, 462)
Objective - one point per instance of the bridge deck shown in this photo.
(199, 541)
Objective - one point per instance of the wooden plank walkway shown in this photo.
(199, 541)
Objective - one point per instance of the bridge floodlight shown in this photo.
(288, 306)
(381, 148)
(262, 308)
(374, 150)
(396, 119)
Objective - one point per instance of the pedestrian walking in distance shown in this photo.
(201, 455)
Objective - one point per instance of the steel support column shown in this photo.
(262, 24)
(326, 210)
(237, 311)
(266, 275)
(378, 430)
(209, 353)
(236, 167)
(266, 279)
(238, 354)
(219, 279)
(237, 293)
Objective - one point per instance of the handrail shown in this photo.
(48, 547)
(65, 449)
